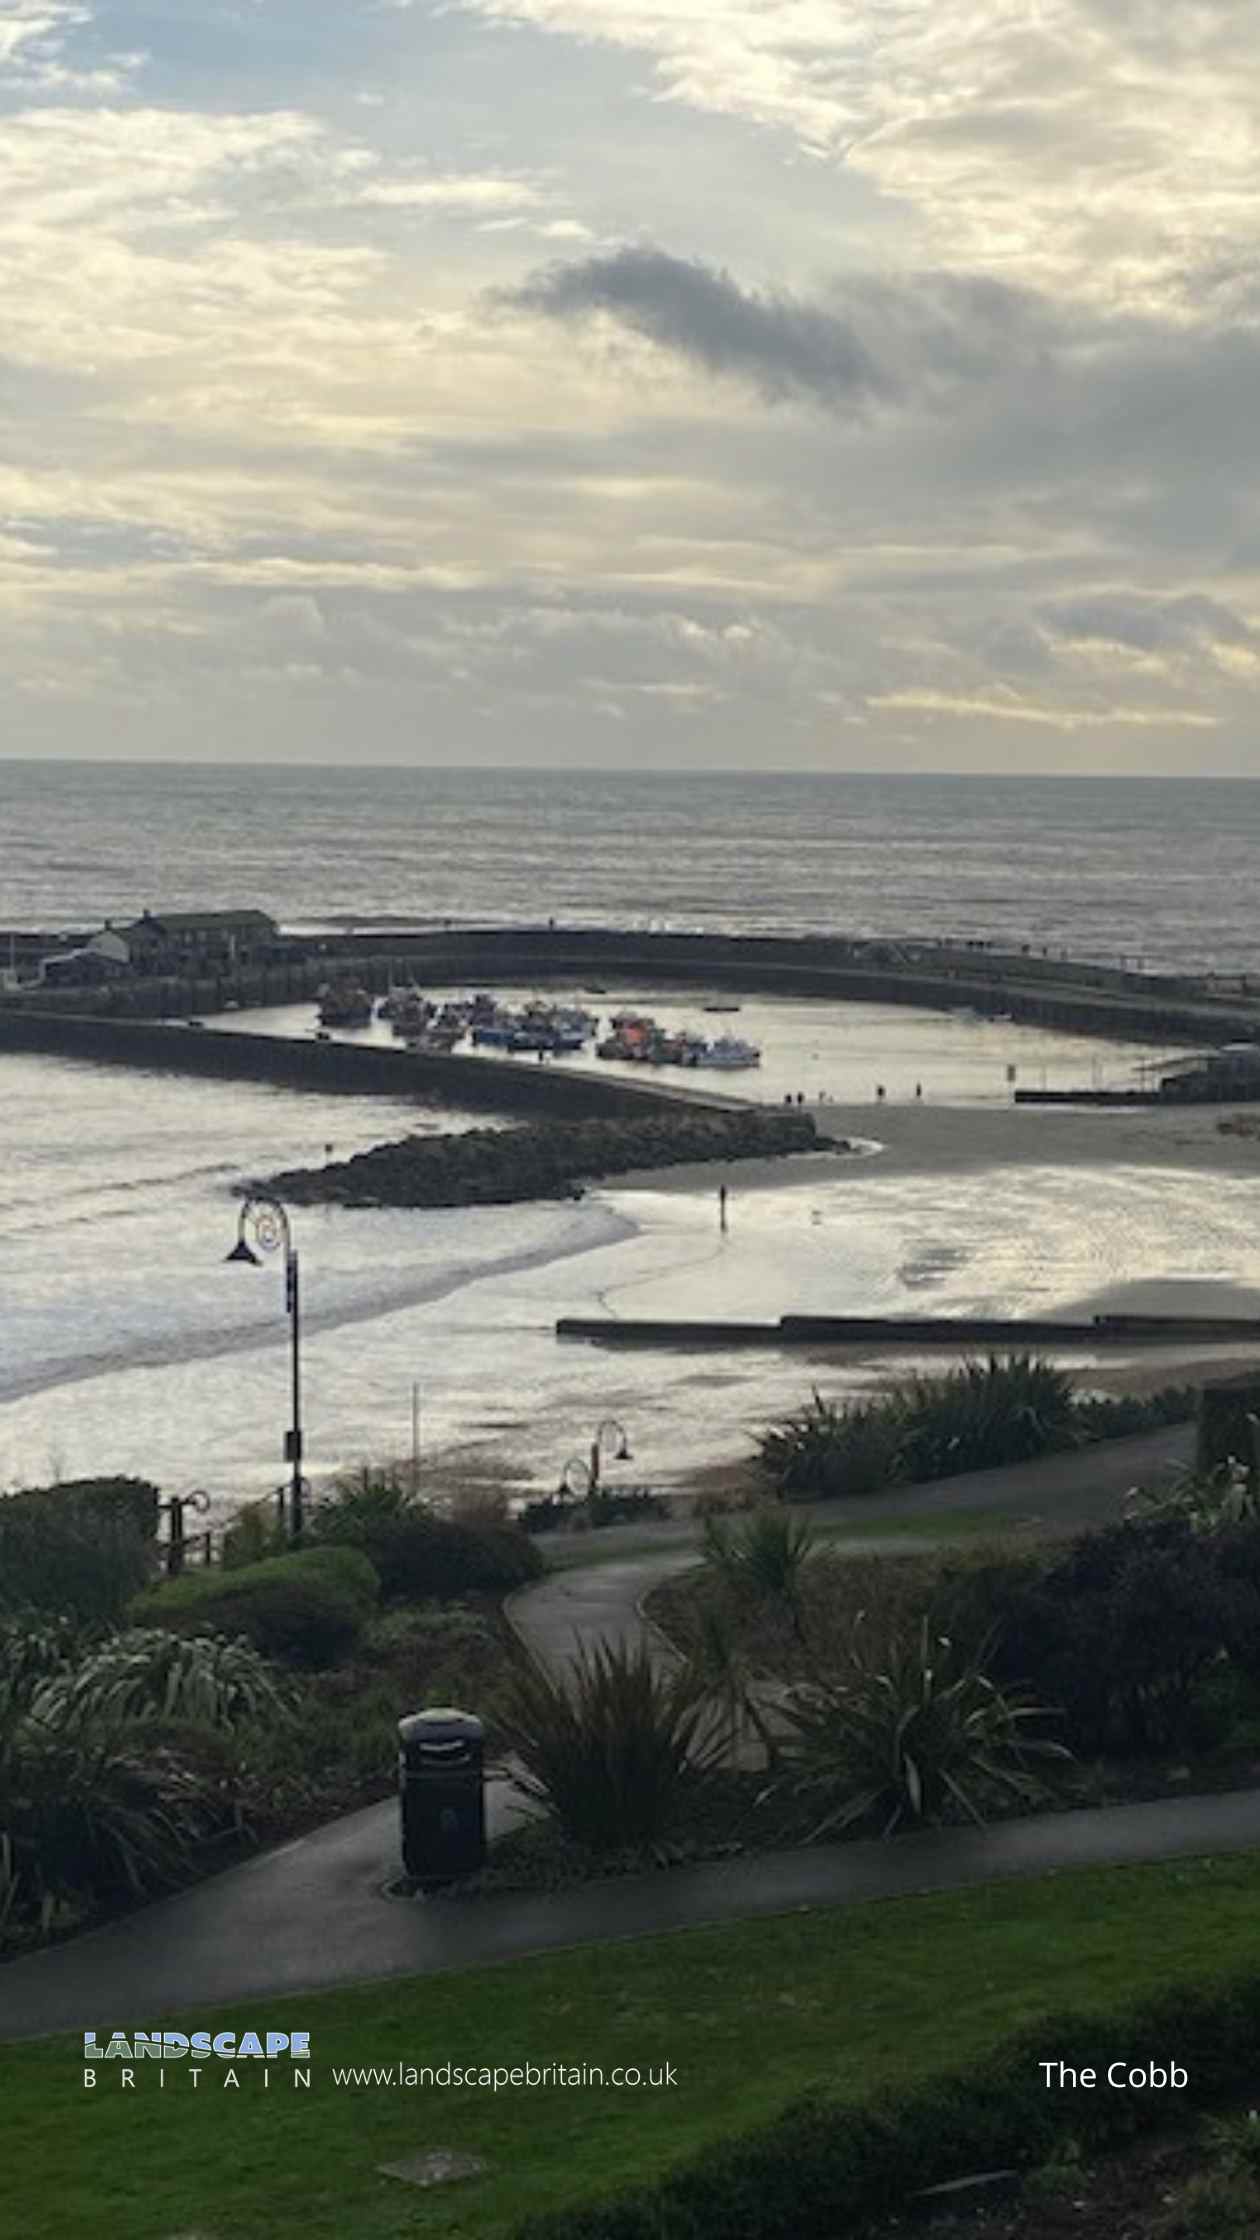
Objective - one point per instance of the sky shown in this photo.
(760, 384)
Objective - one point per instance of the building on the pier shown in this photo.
(85, 967)
(189, 941)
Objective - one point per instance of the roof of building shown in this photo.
(201, 921)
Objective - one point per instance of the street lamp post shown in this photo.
(269, 1223)
(622, 1451)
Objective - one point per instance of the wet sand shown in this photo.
(929, 1139)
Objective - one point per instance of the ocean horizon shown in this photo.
(1153, 869)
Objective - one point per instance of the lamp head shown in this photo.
(244, 1253)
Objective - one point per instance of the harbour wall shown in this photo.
(1083, 999)
(1049, 992)
(353, 1069)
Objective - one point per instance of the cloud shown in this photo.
(785, 347)
(459, 193)
(1009, 709)
(1147, 622)
(1108, 150)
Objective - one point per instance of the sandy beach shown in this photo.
(939, 1139)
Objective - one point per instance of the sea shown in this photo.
(1159, 870)
(130, 1344)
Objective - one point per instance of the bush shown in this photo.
(823, 2169)
(62, 1553)
(763, 1557)
(971, 1418)
(255, 1533)
(613, 1749)
(1105, 1415)
(119, 1761)
(418, 1556)
(95, 1810)
(633, 1505)
(827, 1451)
(1229, 1425)
(307, 1608)
(983, 1414)
(151, 1675)
(1121, 1631)
(912, 1729)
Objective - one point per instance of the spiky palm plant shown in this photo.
(911, 1729)
(763, 1555)
(613, 1747)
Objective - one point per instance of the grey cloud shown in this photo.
(1147, 623)
(912, 338)
(785, 347)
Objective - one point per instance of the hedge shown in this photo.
(307, 1608)
(420, 1557)
(823, 2168)
(81, 1548)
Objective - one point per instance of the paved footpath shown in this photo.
(313, 1914)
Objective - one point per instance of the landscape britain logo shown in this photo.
(134, 2060)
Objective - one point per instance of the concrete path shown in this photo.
(313, 1913)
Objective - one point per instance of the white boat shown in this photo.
(729, 1055)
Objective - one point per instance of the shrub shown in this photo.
(307, 1608)
(912, 1729)
(823, 2168)
(118, 1761)
(30, 1652)
(826, 1451)
(1120, 1631)
(613, 1749)
(99, 1809)
(764, 1556)
(1229, 1425)
(62, 1553)
(417, 1555)
(255, 1533)
(547, 1514)
(971, 1418)
(982, 1414)
(1208, 1502)
(1105, 1415)
(151, 1675)
(633, 1505)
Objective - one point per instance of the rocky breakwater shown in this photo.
(551, 1160)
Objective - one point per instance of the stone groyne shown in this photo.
(348, 1068)
(815, 1330)
(511, 1166)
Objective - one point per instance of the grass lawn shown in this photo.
(749, 2015)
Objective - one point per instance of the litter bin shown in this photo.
(441, 1792)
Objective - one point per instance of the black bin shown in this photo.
(441, 1792)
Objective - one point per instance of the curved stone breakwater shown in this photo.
(506, 1166)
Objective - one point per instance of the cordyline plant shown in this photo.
(1208, 1501)
(910, 1730)
(612, 1748)
(202, 1680)
(763, 1556)
(119, 1760)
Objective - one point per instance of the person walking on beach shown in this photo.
(722, 1207)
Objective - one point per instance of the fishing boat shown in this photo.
(344, 1003)
(729, 1055)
